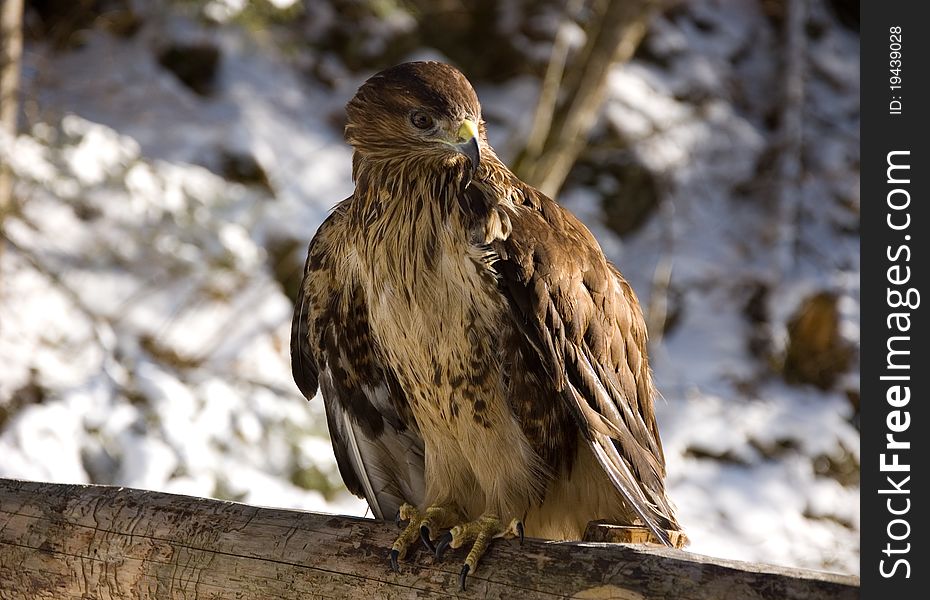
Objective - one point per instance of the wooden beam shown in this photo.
(76, 541)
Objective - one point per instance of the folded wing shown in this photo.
(378, 448)
(585, 322)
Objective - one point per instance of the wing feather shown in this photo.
(377, 445)
(303, 367)
(582, 317)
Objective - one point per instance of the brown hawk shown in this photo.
(483, 366)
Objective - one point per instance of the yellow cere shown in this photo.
(468, 130)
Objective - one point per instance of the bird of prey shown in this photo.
(483, 366)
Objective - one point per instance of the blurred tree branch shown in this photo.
(101, 329)
(789, 168)
(561, 128)
(658, 309)
(11, 51)
(549, 92)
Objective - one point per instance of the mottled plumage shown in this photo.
(474, 347)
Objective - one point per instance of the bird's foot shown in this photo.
(420, 524)
(480, 532)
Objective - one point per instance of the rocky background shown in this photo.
(175, 157)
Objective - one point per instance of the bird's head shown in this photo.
(424, 113)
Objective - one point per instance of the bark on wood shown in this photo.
(602, 531)
(73, 541)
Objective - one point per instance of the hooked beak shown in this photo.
(468, 145)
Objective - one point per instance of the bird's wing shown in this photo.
(378, 447)
(583, 319)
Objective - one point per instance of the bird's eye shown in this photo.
(421, 120)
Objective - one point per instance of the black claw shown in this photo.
(520, 531)
(462, 576)
(397, 518)
(444, 542)
(394, 566)
(424, 535)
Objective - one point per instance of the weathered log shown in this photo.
(75, 541)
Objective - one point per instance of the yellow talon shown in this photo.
(420, 524)
(480, 532)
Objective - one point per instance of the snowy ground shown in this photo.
(144, 337)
